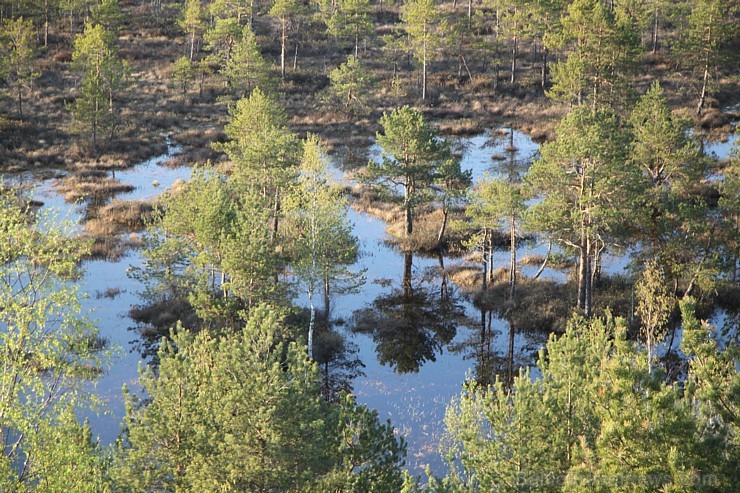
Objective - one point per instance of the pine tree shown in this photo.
(19, 53)
(247, 70)
(271, 430)
(707, 41)
(412, 155)
(191, 22)
(285, 11)
(422, 22)
(351, 20)
(104, 76)
(350, 86)
(586, 183)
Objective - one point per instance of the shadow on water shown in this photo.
(412, 323)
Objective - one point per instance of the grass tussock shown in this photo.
(364, 199)
(538, 305)
(90, 186)
(131, 215)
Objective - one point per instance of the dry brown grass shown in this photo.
(129, 214)
(90, 185)
(364, 199)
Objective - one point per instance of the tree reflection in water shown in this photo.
(411, 325)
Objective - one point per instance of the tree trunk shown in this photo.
(544, 262)
(655, 32)
(20, 101)
(495, 78)
(543, 73)
(512, 267)
(276, 210)
(327, 298)
(46, 22)
(407, 209)
(485, 259)
(510, 355)
(702, 97)
(192, 45)
(311, 323)
(424, 76)
(445, 215)
(513, 60)
(282, 49)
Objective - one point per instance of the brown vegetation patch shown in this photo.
(90, 185)
(538, 305)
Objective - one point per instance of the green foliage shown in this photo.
(285, 11)
(350, 86)
(494, 200)
(48, 351)
(654, 306)
(104, 76)
(183, 73)
(707, 41)
(191, 21)
(351, 20)
(270, 431)
(323, 244)
(594, 420)
(260, 145)
(411, 155)
(602, 47)
(587, 185)
(17, 48)
(225, 258)
(108, 14)
(661, 145)
(246, 69)
(424, 26)
(672, 222)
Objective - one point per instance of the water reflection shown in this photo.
(411, 324)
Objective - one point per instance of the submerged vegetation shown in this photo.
(292, 114)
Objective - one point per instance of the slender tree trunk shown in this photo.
(311, 323)
(512, 267)
(485, 259)
(702, 97)
(587, 308)
(510, 355)
(544, 262)
(276, 219)
(407, 209)
(295, 58)
(424, 76)
(327, 297)
(283, 37)
(46, 22)
(443, 275)
(20, 101)
(441, 234)
(495, 78)
(192, 45)
(543, 73)
(655, 32)
(582, 269)
(514, 51)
